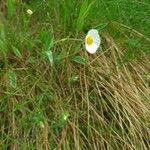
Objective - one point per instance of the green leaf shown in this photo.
(58, 124)
(101, 26)
(79, 60)
(17, 52)
(48, 43)
(62, 55)
(10, 7)
(3, 41)
(43, 36)
(32, 60)
(83, 13)
(134, 43)
(49, 55)
(12, 79)
(47, 47)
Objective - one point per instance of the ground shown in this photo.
(55, 95)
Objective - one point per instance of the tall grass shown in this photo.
(54, 95)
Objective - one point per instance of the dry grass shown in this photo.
(108, 104)
(106, 101)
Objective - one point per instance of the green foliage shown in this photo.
(83, 13)
(49, 55)
(2, 36)
(101, 26)
(79, 60)
(67, 14)
(12, 79)
(129, 12)
(3, 41)
(16, 52)
(133, 48)
(47, 41)
(108, 103)
(37, 118)
(134, 43)
(58, 124)
(10, 7)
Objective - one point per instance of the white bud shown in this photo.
(29, 12)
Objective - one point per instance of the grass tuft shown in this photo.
(55, 95)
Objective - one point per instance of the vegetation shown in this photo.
(55, 95)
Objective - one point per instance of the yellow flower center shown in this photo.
(89, 40)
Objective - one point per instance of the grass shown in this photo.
(54, 95)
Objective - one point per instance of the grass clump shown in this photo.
(54, 95)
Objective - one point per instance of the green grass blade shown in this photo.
(83, 13)
(10, 7)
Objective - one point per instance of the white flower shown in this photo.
(92, 41)
(29, 12)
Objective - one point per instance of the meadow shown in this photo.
(54, 95)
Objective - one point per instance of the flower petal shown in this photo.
(92, 48)
(96, 41)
